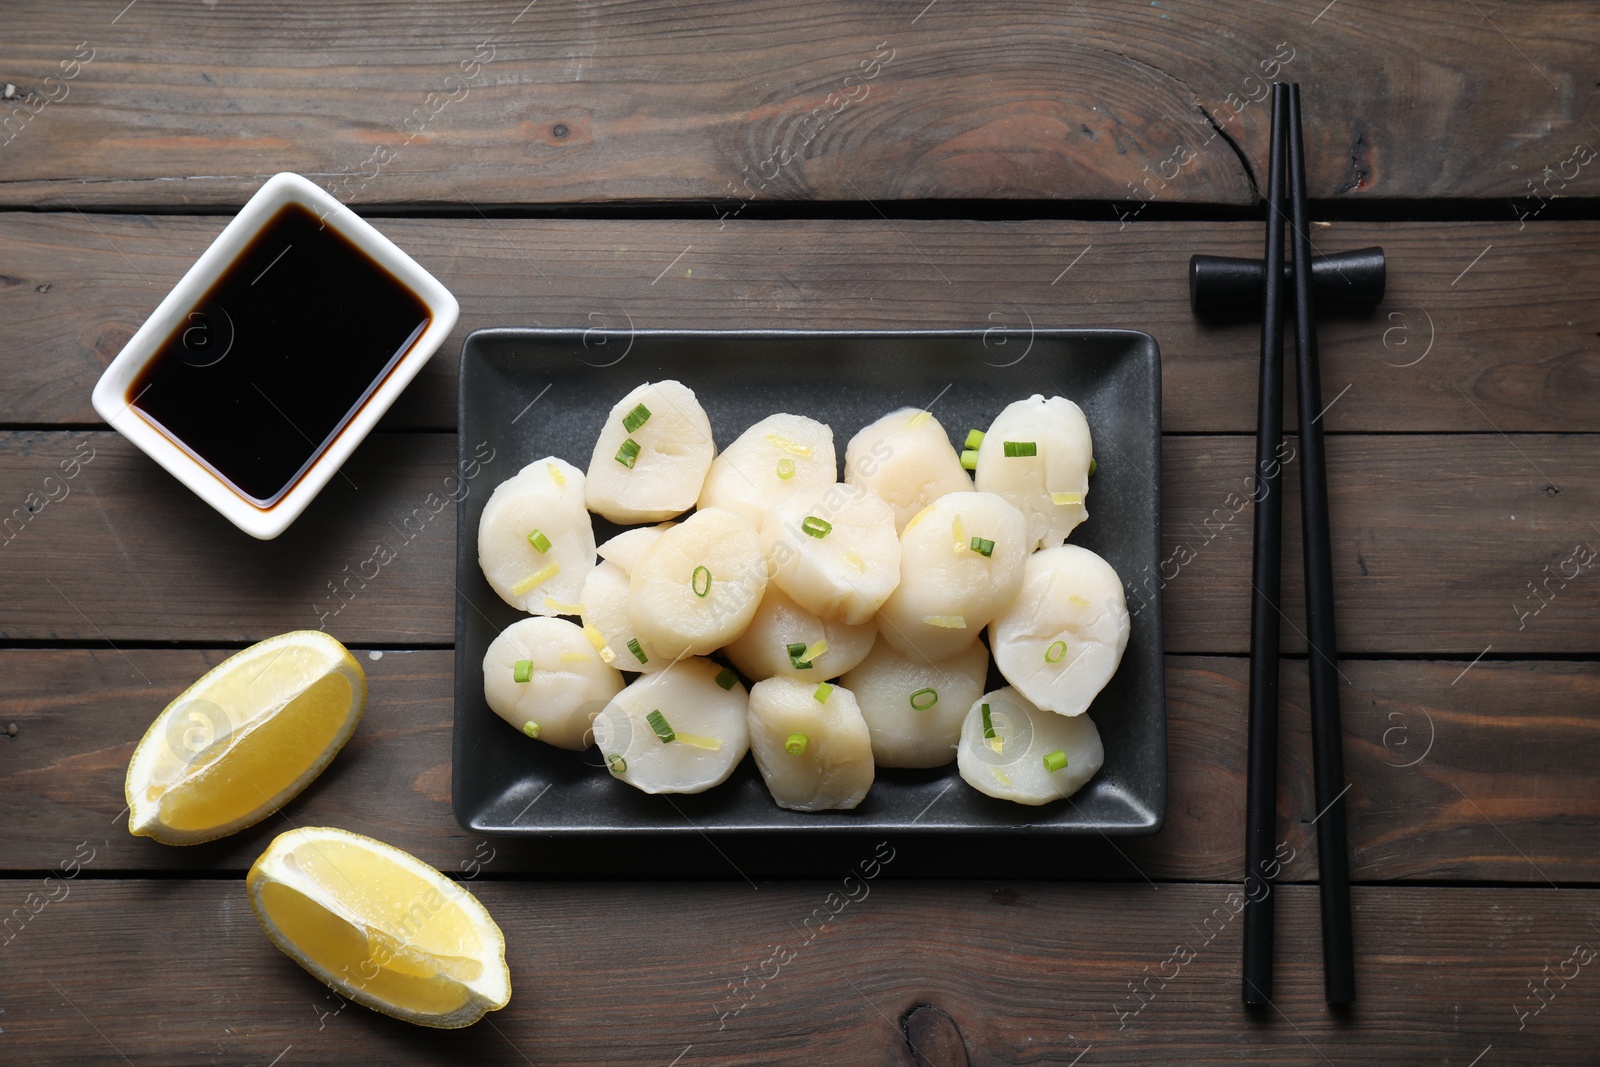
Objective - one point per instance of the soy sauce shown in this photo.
(278, 355)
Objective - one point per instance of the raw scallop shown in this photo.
(568, 683)
(914, 710)
(949, 589)
(1050, 485)
(668, 452)
(906, 459)
(777, 456)
(1060, 641)
(697, 587)
(1016, 764)
(767, 648)
(543, 500)
(704, 719)
(833, 550)
(815, 754)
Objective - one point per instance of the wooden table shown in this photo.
(715, 164)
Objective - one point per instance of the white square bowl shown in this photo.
(111, 392)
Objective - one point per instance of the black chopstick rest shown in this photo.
(1223, 284)
(1327, 740)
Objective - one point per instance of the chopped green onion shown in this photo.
(1094, 465)
(983, 546)
(1055, 761)
(821, 695)
(1001, 776)
(658, 723)
(638, 652)
(727, 678)
(797, 656)
(969, 459)
(1016, 449)
(561, 607)
(816, 527)
(1063, 499)
(522, 671)
(539, 541)
(555, 474)
(948, 622)
(628, 453)
(1055, 652)
(958, 535)
(531, 728)
(700, 581)
(636, 418)
(931, 695)
(796, 744)
(996, 742)
(710, 744)
(617, 764)
(974, 438)
(786, 468)
(816, 649)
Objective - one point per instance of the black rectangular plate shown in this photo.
(529, 393)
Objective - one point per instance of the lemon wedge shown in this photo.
(244, 739)
(380, 926)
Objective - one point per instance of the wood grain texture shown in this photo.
(1031, 973)
(661, 100)
(117, 522)
(1491, 778)
(1442, 545)
(1485, 326)
(1462, 419)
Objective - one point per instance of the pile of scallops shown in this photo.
(853, 609)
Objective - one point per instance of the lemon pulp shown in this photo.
(380, 926)
(245, 738)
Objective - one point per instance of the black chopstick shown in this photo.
(1333, 853)
(1261, 789)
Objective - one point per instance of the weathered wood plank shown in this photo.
(1036, 972)
(579, 101)
(1512, 343)
(1439, 543)
(1493, 778)
(105, 561)
(1442, 545)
